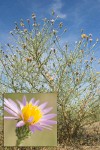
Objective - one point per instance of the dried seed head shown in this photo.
(53, 49)
(24, 46)
(22, 24)
(25, 30)
(84, 36)
(91, 58)
(35, 24)
(16, 27)
(52, 21)
(77, 73)
(51, 78)
(33, 16)
(47, 74)
(82, 51)
(61, 24)
(87, 66)
(6, 56)
(54, 32)
(77, 79)
(28, 59)
(90, 39)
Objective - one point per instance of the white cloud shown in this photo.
(57, 6)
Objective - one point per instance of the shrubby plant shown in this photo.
(37, 61)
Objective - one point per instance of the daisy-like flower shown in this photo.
(30, 113)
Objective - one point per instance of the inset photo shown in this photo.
(30, 119)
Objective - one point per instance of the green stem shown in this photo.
(22, 133)
(18, 142)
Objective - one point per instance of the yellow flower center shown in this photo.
(31, 111)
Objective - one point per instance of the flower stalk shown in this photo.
(22, 133)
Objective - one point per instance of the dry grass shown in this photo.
(91, 134)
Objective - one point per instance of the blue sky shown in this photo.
(75, 14)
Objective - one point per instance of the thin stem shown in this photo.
(18, 142)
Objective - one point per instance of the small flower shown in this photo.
(84, 36)
(52, 21)
(32, 114)
(90, 39)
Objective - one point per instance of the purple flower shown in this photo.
(31, 113)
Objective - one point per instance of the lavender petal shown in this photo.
(49, 122)
(45, 111)
(10, 111)
(20, 124)
(20, 104)
(24, 101)
(32, 101)
(31, 127)
(10, 118)
(30, 119)
(36, 103)
(42, 106)
(11, 106)
(49, 116)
